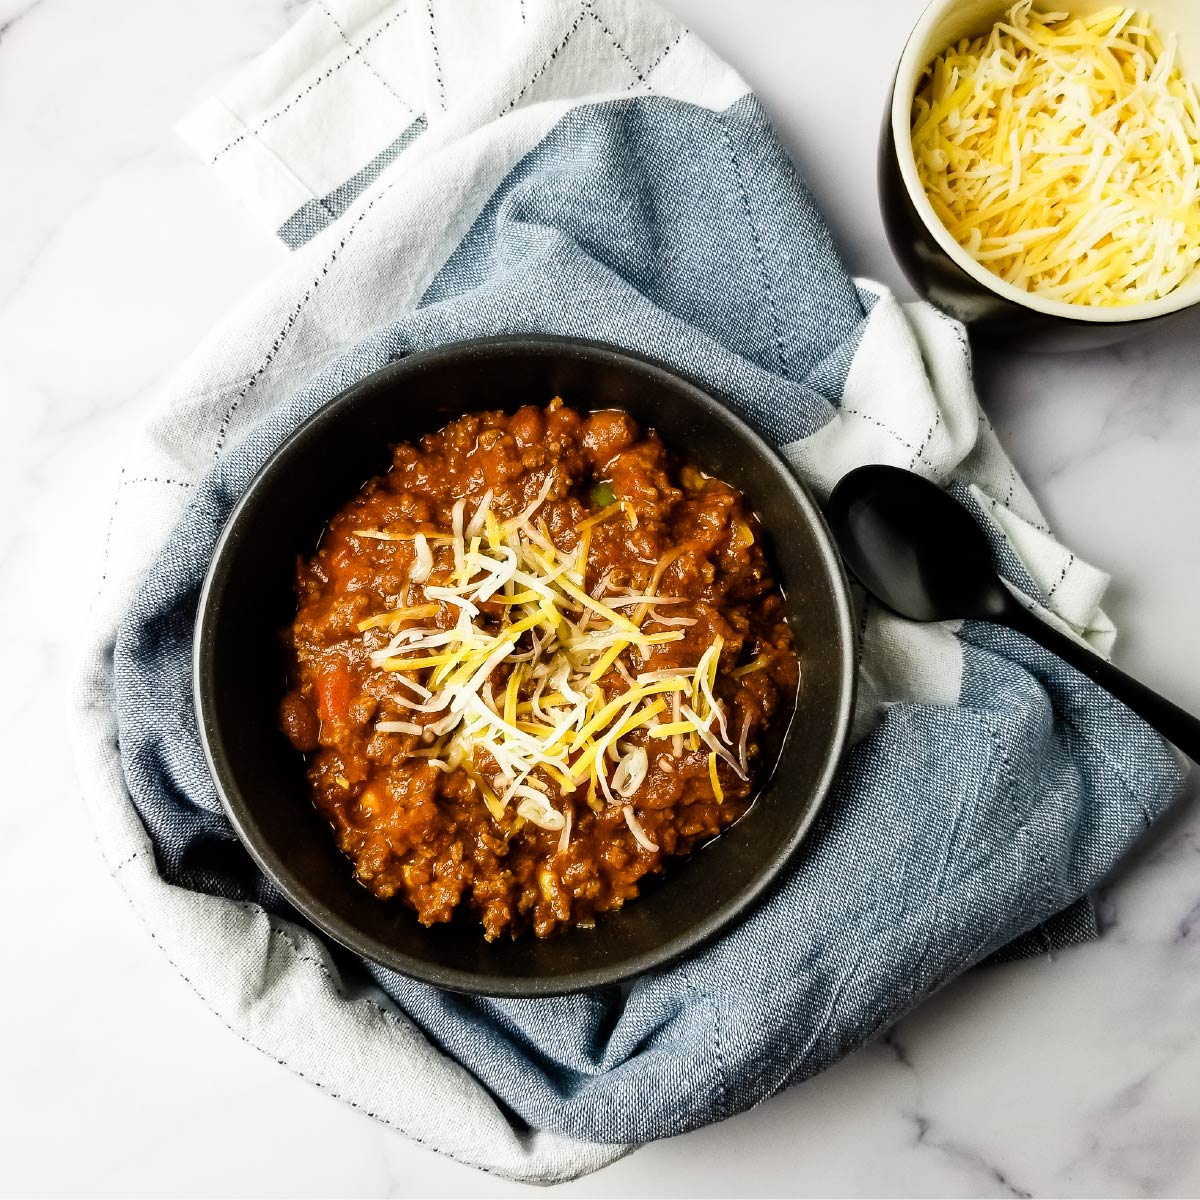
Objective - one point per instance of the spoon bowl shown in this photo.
(914, 547)
(923, 555)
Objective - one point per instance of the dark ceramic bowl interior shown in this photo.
(941, 270)
(248, 599)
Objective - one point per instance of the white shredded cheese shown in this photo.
(518, 701)
(635, 827)
(564, 836)
(423, 564)
(477, 523)
(631, 771)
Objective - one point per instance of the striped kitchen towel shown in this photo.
(451, 168)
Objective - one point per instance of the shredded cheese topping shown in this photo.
(1063, 153)
(502, 652)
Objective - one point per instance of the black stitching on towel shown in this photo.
(1004, 768)
(362, 58)
(337, 66)
(1012, 473)
(281, 1061)
(112, 520)
(437, 60)
(1131, 791)
(522, 4)
(714, 1017)
(664, 52)
(1061, 576)
(299, 954)
(122, 483)
(996, 504)
(758, 246)
(919, 453)
(1010, 789)
(293, 317)
(641, 78)
(866, 416)
(723, 1096)
(862, 628)
(183, 483)
(542, 69)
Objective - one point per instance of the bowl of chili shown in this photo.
(552, 698)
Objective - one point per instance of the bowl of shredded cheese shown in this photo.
(1040, 167)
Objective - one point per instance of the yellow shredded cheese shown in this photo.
(511, 692)
(1063, 153)
(714, 779)
(671, 728)
(610, 510)
(594, 750)
(756, 664)
(382, 620)
(606, 660)
(502, 649)
(383, 535)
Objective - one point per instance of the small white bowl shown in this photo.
(934, 261)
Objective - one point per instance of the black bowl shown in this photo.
(248, 599)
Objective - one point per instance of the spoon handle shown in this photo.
(1178, 727)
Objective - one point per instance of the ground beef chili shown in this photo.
(421, 817)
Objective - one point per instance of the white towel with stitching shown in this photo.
(440, 100)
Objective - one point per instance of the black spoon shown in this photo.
(921, 553)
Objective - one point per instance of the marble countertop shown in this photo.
(1077, 1075)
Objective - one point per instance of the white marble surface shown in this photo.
(1076, 1076)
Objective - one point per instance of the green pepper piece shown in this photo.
(602, 494)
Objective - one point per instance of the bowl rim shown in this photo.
(276, 866)
(1186, 295)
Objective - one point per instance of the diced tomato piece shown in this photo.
(334, 693)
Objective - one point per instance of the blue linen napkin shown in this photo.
(990, 786)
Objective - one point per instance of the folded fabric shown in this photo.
(446, 170)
